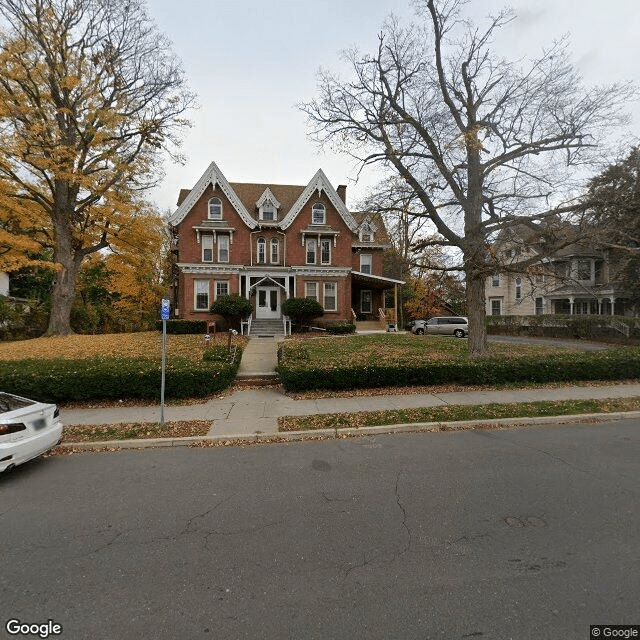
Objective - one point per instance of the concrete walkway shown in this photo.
(254, 411)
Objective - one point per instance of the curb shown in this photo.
(323, 434)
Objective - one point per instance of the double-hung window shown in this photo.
(325, 251)
(223, 248)
(207, 248)
(365, 263)
(311, 251)
(215, 209)
(330, 296)
(222, 288)
(201, 295)
(275, 251)
(318, 213)
(262, 251)
(311, 290)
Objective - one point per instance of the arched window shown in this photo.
(275, 251)
(518, 288)
(215, 209)
(318, 213)
(262, 250)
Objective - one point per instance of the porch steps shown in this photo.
(266, 329)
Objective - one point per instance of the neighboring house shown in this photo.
(269, 242)
(574, 280)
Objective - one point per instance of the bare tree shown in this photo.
(482, 142)
(91, 94)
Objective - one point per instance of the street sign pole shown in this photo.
(165, 316)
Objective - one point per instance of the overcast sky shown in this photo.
(252, 61)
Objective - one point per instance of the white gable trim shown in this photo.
(212, 176)
(268, 196)
(320, 183)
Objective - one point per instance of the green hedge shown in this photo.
(341, 328)
(183, 326)
(297, 372)
(114, 378)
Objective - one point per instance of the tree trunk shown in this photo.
(477, 313)
(63, 291)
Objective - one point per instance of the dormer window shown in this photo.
(318, 213)
(268, 212)
(215, 209)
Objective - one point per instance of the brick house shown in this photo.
(269, 242)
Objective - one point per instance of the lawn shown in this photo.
(389, 348)
(146, 345)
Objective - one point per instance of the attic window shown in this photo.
(318, 213)
(366, 235)
(215, 209)
(267, 212)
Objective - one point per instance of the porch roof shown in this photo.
(376, 282)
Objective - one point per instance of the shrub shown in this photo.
(102, 378)
(183, 326)
(298, 374)
(302, 310)
(341, 328)
(232, 308)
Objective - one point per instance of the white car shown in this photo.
(27, 429)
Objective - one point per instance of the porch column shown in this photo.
(571, 301)
(395, 305)
(613, 304)
(599, 306)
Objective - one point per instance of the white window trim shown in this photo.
(328, 244)
(495, 280)
(195, 295)
(207, 245)
(518, 288)
(218, 282)
(261, 243)
(272, 208)
(316, 207)
(335, 296)
(274, 243)
(491, 301)
(311, 242)
(317, 293)
(221, 240)
(209, 216)
(368, 262)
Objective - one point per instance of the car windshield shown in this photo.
(11, 403)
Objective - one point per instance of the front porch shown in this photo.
(368, 302)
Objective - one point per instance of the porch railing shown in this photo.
(354, 317)
(286, 322)
(619, 326)
(245, 326)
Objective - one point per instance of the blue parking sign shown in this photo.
(166, 305)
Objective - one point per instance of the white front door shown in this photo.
(267, 302)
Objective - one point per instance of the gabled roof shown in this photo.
(319, 183)
(211, 176)
(247, 197)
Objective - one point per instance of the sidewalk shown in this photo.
(254, 412)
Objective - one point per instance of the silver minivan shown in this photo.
(457, 326)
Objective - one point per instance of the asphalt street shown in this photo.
(529, 533)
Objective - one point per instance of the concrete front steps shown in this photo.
(267, 329)
(256, 380)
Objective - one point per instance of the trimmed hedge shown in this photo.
(341, 328)
(115, 378)
(183, 326)
(298, 374)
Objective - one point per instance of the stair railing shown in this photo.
(246, 324)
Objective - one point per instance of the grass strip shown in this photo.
(139, 430)
(453, 413)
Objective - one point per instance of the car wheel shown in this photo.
(458, 333)
(419, 332)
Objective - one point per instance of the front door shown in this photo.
(268, 302)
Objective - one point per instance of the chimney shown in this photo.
(342, 192)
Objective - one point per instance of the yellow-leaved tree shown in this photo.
(91, 95)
